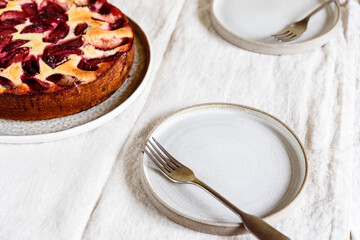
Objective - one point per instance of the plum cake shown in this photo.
(60, 57)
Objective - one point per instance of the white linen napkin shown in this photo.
(313, 93)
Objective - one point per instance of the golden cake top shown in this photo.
(50, 45)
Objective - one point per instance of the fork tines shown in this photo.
(160, 156)
(285, 36)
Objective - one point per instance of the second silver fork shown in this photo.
(295, 30)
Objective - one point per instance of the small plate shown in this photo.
(248, 156)
(250, 24)
(54, 129)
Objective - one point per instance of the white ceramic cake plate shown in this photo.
(53, 129)
(249, 24)
(248, 156)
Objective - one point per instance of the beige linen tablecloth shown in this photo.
(88, 186)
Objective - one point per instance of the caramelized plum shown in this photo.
(4, 40)
(36, 28)
(12, 22)
(7, 31)
(118, 24)
(65, 52)
(91, 64)
(106, 41)
(52, 7)
(48, 18)
(30, 9)
(14, 56)
(96, 61)
(62, 80)
(13, 45)
(105, 9)
(61, 50)
(59, 32)
(57, 54)
(76, 42)
(80, 29)
(54, 78)
(35, 84)
(54, 61)
(3, 4)
(31, 66)
(12, 15)
(6, 83)
(83, 65)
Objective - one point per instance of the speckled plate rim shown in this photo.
(217, 228)
(273, 49)
(100, 120)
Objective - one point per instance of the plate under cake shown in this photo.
(60, 57)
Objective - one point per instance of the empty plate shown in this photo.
(250, 24)
(248, 156)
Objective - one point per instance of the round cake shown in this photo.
(60, 57)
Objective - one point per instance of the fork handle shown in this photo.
(253, 224)
(319, 8)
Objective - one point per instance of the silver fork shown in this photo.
(295, 30)
(179, 173)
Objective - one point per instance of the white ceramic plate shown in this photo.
(249, 24)
(53, 129)
(248, 156)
